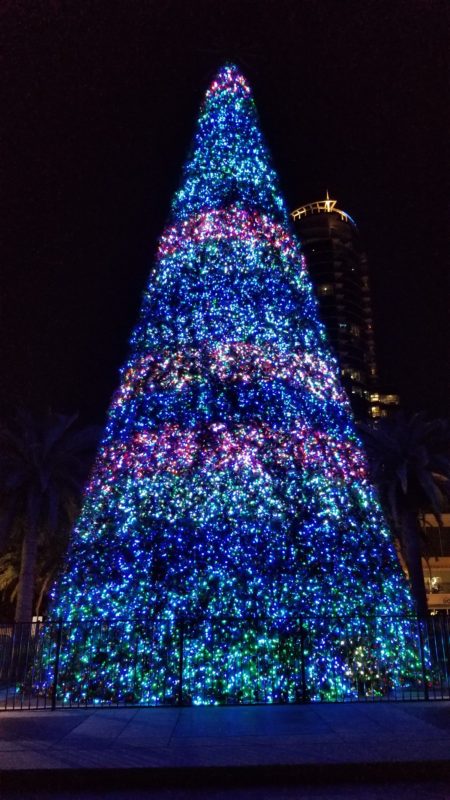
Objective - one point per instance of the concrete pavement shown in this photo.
(82, 749)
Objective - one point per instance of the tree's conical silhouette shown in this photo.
(229, 521)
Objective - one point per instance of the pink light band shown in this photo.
(231, 81)
(225, 225)
(233, 362)
(176, 450)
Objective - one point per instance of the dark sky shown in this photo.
(99, 102)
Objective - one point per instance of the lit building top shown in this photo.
(326, 206)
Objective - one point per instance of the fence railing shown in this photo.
(167, 662)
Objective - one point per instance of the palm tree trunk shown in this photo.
(44, 587)
(25, 594)
(413, 557)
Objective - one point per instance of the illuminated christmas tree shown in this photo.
(230, 542)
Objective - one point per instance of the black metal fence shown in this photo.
(166, 662)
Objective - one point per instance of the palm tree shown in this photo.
(409, 458)
(43, 466)
(52, 547)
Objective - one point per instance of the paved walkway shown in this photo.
(220, 745)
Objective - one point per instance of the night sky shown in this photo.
(99, 102)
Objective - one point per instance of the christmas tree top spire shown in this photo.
(229, 162)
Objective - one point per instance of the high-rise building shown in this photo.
(338, 268)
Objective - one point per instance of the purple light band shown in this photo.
(225, 225)
(176, 450)
(233, 362)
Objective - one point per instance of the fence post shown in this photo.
(302, 663)
(426, 693)
(180, 663)
(56, 667)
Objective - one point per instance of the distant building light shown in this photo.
(385, 399)
(325, 288)
(326, 206)
(376, 412)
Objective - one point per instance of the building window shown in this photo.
(433, 585)
(376, 412)
(353, 374)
